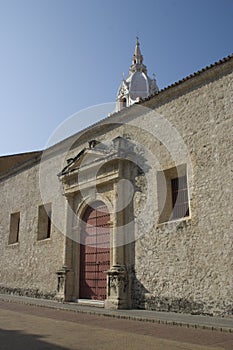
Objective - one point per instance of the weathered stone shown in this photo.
(182, 265)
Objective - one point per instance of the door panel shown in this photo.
(94, 252)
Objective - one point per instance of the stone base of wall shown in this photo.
(149, 302)
(33, 293)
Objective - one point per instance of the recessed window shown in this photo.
(173, 201)
(180, 203)
(124, 102)
(44, 221)
(14, 228)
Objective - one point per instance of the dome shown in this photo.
(138, 85)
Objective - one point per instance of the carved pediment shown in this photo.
(96, 152)
(98, 164)
(73, 163)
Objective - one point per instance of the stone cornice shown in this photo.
(191, 82)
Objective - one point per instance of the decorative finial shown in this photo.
(137, 40)
(123, 76)
(154, 76)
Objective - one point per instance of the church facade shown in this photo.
(134, 211)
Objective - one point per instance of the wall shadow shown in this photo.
(137, 289)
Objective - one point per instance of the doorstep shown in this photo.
(90, 302)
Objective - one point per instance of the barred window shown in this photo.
(173, 199)
(180, 197)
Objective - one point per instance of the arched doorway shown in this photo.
(94, 252)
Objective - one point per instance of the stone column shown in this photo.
(117, 291)
(65, 274)
(61, 283)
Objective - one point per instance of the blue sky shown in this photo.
(60, 56)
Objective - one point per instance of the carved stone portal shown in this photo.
(117, 288)
(99, 173)
(61, 282)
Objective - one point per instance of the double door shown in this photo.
(94, 252)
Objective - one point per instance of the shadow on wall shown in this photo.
(139, 293)
(15, 339)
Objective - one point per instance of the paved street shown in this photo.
(36, 328)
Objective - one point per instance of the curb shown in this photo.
(112, 314)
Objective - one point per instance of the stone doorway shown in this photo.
(94, 252)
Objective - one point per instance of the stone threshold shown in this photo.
(90, 302)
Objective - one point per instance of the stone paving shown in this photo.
(24, 326)
(171, 318)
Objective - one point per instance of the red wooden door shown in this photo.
(94, 252)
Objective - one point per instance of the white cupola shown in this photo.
(137, 85)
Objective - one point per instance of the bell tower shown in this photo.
(138, 84)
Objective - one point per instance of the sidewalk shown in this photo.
(171, 318)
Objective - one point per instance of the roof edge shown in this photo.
(59, 145)
(190, 76)
(20, 165)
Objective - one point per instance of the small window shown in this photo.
(14, 228)
(173, 201)
(124, 102)
(179, 197)
(44, 221)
